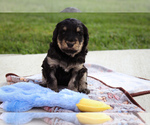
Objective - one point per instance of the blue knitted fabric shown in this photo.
(15, 118)
(23, 96)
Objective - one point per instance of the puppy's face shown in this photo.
(70, 36)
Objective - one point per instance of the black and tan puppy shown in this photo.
(64, 63)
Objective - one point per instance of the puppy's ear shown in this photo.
(86, 37)
(55, 34)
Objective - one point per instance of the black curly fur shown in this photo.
(55, 53)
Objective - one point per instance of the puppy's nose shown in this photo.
(70, 45)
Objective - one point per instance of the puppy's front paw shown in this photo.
(53, 88)
(73, 89)
(56, 90)
(86, 91)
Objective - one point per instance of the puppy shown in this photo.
(64, 63)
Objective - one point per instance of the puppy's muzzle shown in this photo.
(70, 45)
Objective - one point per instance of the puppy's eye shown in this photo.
(79, 33)
(63, 32)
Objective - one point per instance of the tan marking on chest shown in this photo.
(67, 68)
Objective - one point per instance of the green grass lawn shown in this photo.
(32, 32)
